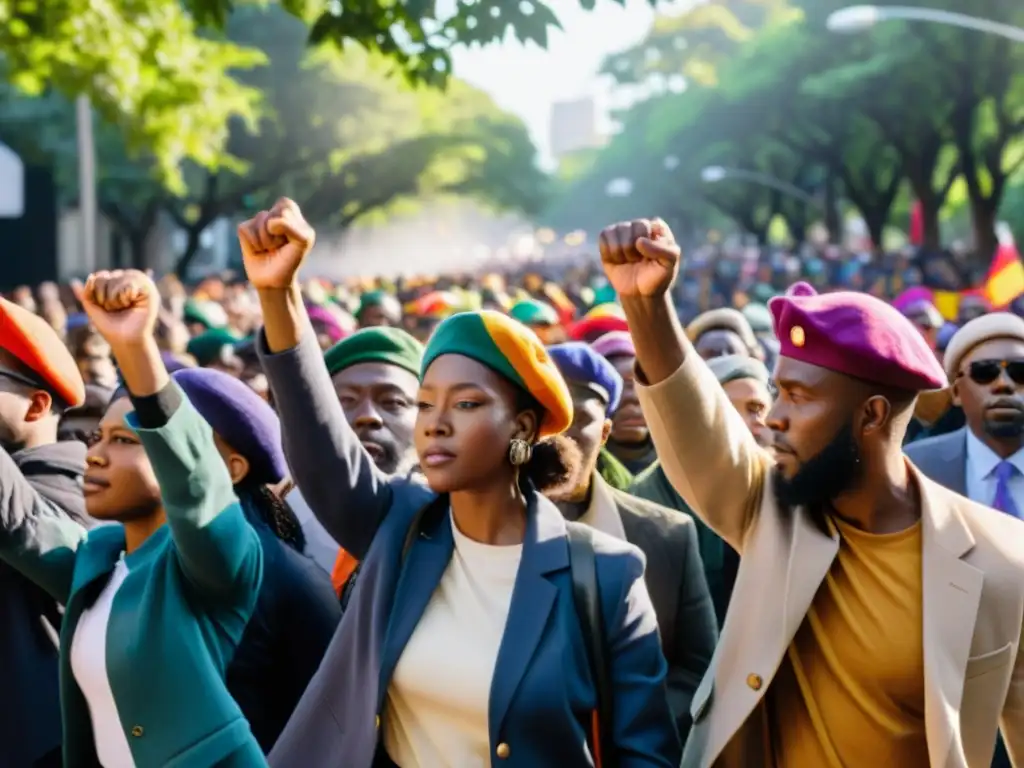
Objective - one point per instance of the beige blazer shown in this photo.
(972, 572)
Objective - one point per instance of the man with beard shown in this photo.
(745, 381)
(39, 379)
(674, 573)
(375, 374)
(877, 616)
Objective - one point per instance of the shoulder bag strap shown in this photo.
(587, 598)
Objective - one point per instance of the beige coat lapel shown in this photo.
(951, 591)
(787, 550)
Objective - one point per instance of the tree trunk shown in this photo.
(191, 251)
(796, 223)
(983, 221)
(875, 220)
(137, 249)
(833, 219)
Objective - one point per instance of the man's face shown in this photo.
(379, 401)
(989, 386)
(590, 426)
(813, 437)
(375, 316)
(720, 343)
(752, 400)
(21, 404)
(629, 426)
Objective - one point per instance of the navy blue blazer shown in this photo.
(542, 695)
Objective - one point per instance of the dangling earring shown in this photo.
(519, 452)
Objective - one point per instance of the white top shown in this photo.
(89, 666)
(981, 479)
(437, 703)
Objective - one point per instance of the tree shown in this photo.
(142, 65)
(344, 138)
(693, 44)
(160, 71)
(413, 34)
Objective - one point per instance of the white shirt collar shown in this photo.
(603, 513)
(982, 460)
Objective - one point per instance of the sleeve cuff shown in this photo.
(154, 411)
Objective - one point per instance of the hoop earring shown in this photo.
(519, 452)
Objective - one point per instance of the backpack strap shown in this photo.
(587, 597)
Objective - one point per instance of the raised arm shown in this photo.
(337, 478)
(707, 452)
(37, 537)
(218, 550)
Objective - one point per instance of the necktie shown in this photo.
(1003, 501)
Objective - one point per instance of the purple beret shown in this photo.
(241, 418)
(857, 335)
(614, 344)
(581, 364)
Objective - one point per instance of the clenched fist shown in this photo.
(274, 243)
(122, 305)
(640, 257)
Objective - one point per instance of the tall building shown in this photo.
(574, 127)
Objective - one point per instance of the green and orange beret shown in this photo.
(38, 347)
(512, 350)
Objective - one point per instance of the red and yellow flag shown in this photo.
(1005, 280)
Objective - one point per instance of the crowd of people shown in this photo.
(645, 512)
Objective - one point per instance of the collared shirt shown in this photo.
(981, 466)
(603, 513)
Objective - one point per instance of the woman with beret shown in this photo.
(297, 610)
(155, 606)
(461, 644)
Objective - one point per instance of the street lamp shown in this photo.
(858, 18)
(714, 174)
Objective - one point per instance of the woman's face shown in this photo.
(119, 481)
(467, 417)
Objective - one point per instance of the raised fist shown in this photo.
(122, 305)
(274, 243)
(640, 257)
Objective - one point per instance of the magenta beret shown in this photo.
(857, 335)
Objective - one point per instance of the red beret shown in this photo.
(857, 335)
(30, 339)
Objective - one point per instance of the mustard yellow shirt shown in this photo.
(850, 690)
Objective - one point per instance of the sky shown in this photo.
(527, 80)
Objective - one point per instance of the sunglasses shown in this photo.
(987, 371)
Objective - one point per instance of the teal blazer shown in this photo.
(178, 616)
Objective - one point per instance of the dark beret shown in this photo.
(241, 418)
(580, 364)
(381, 344)
(208, 347)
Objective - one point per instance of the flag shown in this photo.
(1005, 280)
(948, 303)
